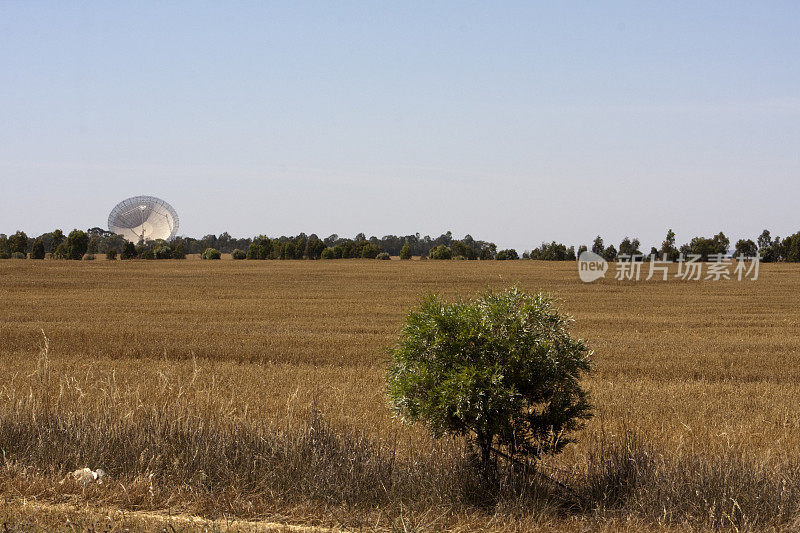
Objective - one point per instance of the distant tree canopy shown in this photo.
(302, 246)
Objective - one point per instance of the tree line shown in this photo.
(79, 244)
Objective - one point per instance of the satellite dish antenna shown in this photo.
(143, 218)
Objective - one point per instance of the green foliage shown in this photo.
(238, 254)
(77, 242)
(37, 252)
(629, 247)
(668, 248)
(745, 247)
(441, 252)
(17, 243)
(211, 253)
(501, 369)
(552, 252)
(61, 251)
(370, 251)
(328, 253)
(504, 255)
(383, 256)
(111, 254)
(610, 253)
(18, 255)
(597, 245)
(128, 251)
(705, 247)
(162, 251)
(405, 251)
(178, 252)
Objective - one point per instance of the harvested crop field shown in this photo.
(254, 389)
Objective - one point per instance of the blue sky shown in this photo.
(516, 122)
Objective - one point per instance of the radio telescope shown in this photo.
(143, 218)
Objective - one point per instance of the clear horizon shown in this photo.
(517, 123)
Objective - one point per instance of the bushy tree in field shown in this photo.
(668, 248)
(504, 255)
(128, 251)
(211, 253)
(745, 247)
(610, 253)
(501, 369)
(704, 246)
(162, 251)
(18, 243)
(441, 252)
(405, 251)
(18, 255)
(178, 252)
(597, 245)
(383, 256)
(37, 252)
(238, 254)
(61, 251)
(77, 243)
(370, 251)
(111, 254)
(629, 247)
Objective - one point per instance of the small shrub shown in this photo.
(88, 257)
(18, 255)
(111, 254)
(383, 256)
(147, 253)
(211, 253)
(239, 254)
(502, 370)
(5, 255)
(61, 251)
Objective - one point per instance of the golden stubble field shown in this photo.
(702, 366)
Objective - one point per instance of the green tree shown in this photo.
(18, 243)
(745, 247)
(668, 248)
(178, 252)
(77, 243)
(370, 251)
(610, 253)
(509, 254)
(238, 254)
(501, 369)
(441, 252)
(37, 252)
(128, 251)
(405, 251)
(597, 245)
(111, 254)
(211, 253)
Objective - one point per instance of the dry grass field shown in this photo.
(254, 390)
